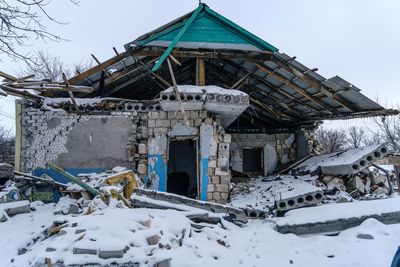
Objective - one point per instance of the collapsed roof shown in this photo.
(283, 92)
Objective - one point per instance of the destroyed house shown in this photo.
(184, 106)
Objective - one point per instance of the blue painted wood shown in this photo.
(204, 179)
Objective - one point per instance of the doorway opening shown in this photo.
(182, 168)
(253, 160)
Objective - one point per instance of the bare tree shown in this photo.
(331, 140)
(51, 67)
(21, 21)
(7, 144)
(356, 137)
(390, 131)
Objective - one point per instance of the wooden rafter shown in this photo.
(324, 89)
(295, 87)
(98, 68)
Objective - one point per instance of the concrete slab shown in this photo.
(338, 217)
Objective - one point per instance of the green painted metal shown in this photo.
(73, 179)
(207, 27)
(177, 37)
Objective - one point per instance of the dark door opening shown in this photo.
(182, 168)
(253, 160)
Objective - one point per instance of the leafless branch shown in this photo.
(24, 20)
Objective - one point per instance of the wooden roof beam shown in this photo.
(271, 86)
(98, 68)
(324, 89)
(295, 87)
(205, 54)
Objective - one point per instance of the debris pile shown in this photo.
(336, 177)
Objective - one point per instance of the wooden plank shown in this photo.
(295, 87)
(98, 68)
(201, 72)
(119, 75)
(206, 54)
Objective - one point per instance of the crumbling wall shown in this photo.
(135, 139)
(278, 149)
(71, 140)
(155, 127)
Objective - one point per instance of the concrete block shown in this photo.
(84, 251)
(218, 171)
(163, 263)
(171, 114)
(225, 179)
(151, 123)
(14, 208)
(167, 123)
(212, 164)
(203, 114)
(108, 254)
(142, 149)
(153, 240)
(153, 115)
(3, 217)
(216, 196)
(227, 138)
(209, 196)
(73, 209)
(159, 123)
(163, 115)
(222, 187)
(215, 180)
(142, 169)
(210, 188)
(224, 196)
(194, 114)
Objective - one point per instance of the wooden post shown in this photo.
(200, 72)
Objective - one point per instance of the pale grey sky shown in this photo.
(356, 39)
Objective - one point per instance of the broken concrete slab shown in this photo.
(17, 207)
(345, 162)
(336, 218)
(236, 215)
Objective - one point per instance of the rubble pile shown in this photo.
(337, 177)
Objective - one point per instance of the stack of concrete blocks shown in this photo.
(278, 149)
(218, 169)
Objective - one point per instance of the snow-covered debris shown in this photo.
(344, 162)
(256, 244)
(66, 205)
(261, 193)
(338, 211)
(14, 208)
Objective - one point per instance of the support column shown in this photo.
(200, 72)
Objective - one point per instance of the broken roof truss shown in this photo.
(283, 92)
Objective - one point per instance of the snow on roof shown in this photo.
(209, 89)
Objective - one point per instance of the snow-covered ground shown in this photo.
(255, 244)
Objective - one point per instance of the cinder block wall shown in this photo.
(117, 138)
(71, 140)
(278, 149)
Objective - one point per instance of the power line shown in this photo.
(7, 115)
